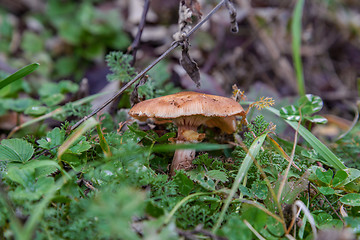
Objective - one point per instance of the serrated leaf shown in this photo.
(24, 177)
(76, 137)
(325, 176)
(81, 145)
(260, 190)
(198, 178)
(41, 167)
(184, 183)
(53, 139)
(351, 199)
(15, 150)
(217, 175)
(164, 138)
(245, 191)
(326, 190)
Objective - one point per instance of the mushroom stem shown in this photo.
(183, 157)
(182, 160)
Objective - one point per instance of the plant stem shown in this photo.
(179, 204)
(296, 45)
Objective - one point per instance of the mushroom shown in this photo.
(189, 110)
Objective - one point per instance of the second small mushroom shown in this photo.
(189, 110)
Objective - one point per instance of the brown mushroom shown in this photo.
(189, 110)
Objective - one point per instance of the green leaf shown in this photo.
(20, 104)
(290, 113)
(80, 145)
(164, 138)
(35, 110)
(66, 66)
(217, 175)
(245, 191)
(53, 139)
(235, 229)
(353, 174)
(15, 150)
(260, 190)
(339, 177)
(326, 190)
(42, 167)
(76, 137)
(153, 209)
(115, 210)
(316, 119)
(310, 104)
(53, 100)
(32, 43)
(322, 218)
(351, 199)
(319, 147)
(199, 178)
(325, 177)
(354, 223)
(18, 74)
(184, 183)
(24, 177)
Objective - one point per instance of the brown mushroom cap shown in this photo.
(214, 111)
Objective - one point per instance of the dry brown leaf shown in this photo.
(194, 6)
(190, 67)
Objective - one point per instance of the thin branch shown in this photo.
(253, 230)
(143, 72)
(282, 184)
(331, 206)
(133, 50)
(135, 45)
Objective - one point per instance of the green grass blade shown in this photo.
(319, 147)
(296, 45)
(19, 74)
(248, 160)
(196, 146)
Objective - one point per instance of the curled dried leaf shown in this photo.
(195, 7)
(184, 22)
(232, 13)
(190, 67)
